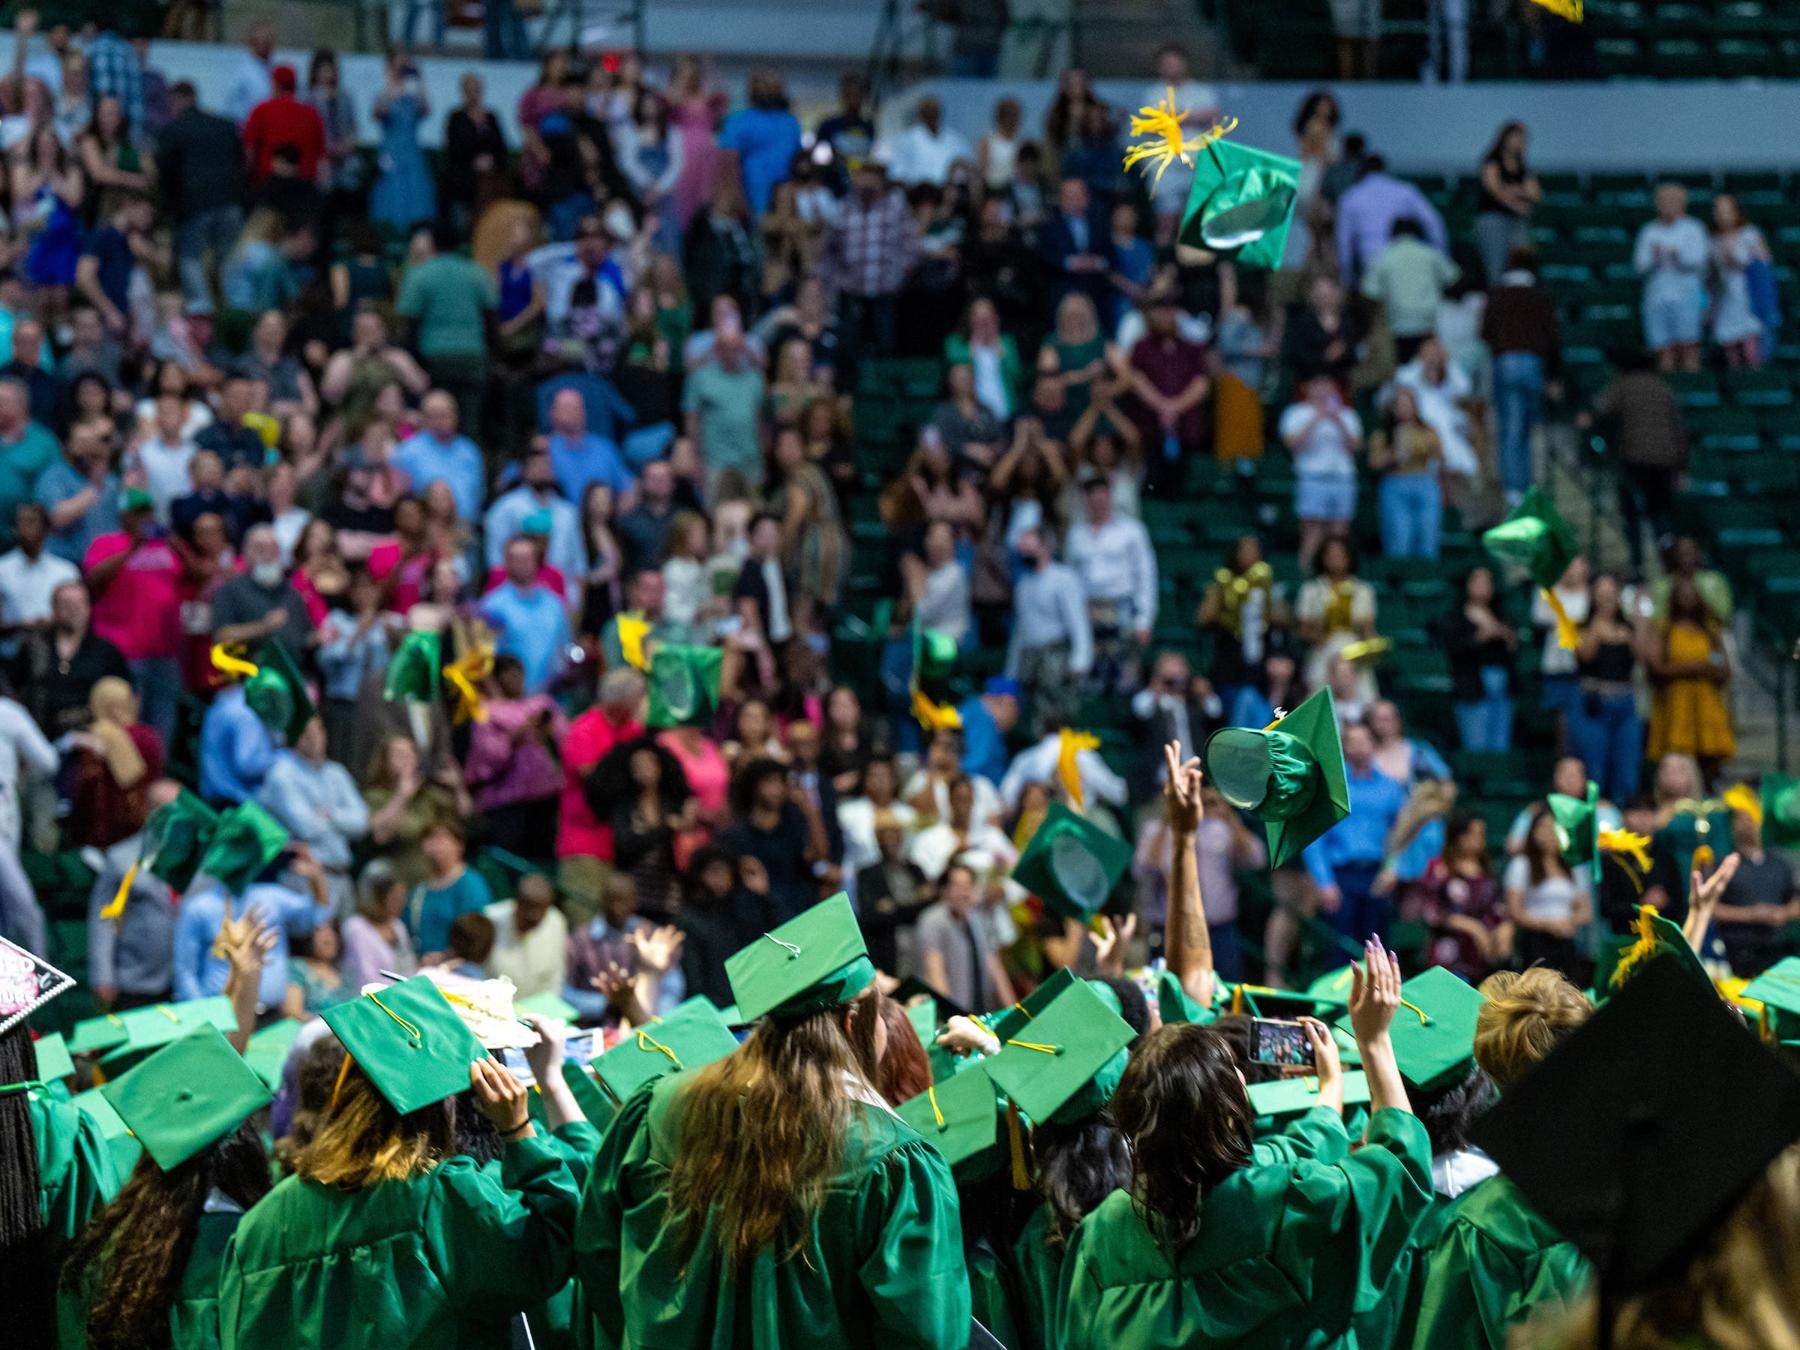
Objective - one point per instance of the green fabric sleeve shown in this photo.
(1317, 1135)
(505, 1246)
(914, 1274)
(599, 1227)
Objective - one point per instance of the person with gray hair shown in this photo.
(375, 937)
(260, 602)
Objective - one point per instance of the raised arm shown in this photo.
(1186, 943)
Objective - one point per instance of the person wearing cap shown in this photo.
(1206, 1246)
(284, 120)
(773, 1191)
(384, 1235)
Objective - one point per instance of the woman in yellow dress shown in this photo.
(1689, 671)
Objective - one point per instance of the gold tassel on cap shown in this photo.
(228, 662)
(465, 675)
(1069, 744)
(1568, 636)
(1639, 951)
(116, 906)
(1168, 139)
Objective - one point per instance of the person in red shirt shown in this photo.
(282, 120)
(584, 844)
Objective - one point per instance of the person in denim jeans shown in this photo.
(1519, 326)
(1482, 650)
(1604, 728)
(1409, 456)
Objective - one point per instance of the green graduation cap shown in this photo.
(268, 1049)
(175, 836)
(53, 1059)
(548, 1004)
(1535, 538)
(246, 841)
(277, 693)
(149, 1029)
(1291, 777)
(1434, 1030)
(1174, 1004)
(1781, 811)
(935, 655)
(136, 499)
(414, 671)
(1290, 1096)
(1071, 864)
(97, 1034)
(1064, 1066)
(1332, 987)
(1286, 1004)
(121, 1143)
(1777, 989)
(683, 1040)
(924, 1018)
(409, 1041)
(962, 1118)
(1241, 203)
(815, 960)
(1654, 937)
(1578, 828)
(684, 685)
(186, 1096)
(1007, 1022)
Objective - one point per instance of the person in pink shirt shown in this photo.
(708, 775)
(403, 563)
(584, 844)
(135, 578)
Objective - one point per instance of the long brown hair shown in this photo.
(132, 1258)
(905, 1071)
(1184, 1110)
(361, 1141)
(763, 1131)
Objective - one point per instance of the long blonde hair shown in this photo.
(361, 1141)
(763, 1131)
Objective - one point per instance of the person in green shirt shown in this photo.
(771, 1200)
(1207, 1247)
(450, 298)
(26, 450)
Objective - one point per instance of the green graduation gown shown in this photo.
(994, 1295)
(1286, 1254)
(1039, 1270)
(550, 1320)
(1497, 1264)
(75, 1174)
(194, 1316)
(441, 1260)
(883, 1266)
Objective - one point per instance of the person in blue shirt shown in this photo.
(437, 453)
(529, 619)
(1348, 862)
(80, 492)
(236, 749)
(200, 973)
(449, 890)
(515, 512)
(581, 453)
(765, 137)
(987, 719)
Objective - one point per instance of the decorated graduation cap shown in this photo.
(187, 1096)
(27, 983)
(962, 1117)
(415, 668)
(409, 1041)
(1064, 1066)
(277, 693)
(1780, 798)
(684, 685)
(1290, 776)
(1581, 841)
(687, 1039)
(1070, 863)
(244, 842)
(1297, 1093)
(1634, 1166)
(816, 960)
(1434, 1030)
(53, 1058)
(1536, 539)
(1652, 940)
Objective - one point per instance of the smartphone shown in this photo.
(1283, 1044)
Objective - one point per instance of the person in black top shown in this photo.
(200, 169)
(1482, 652)
(778, 830)
(891, 892)
(848, 131)
(236, 445)
(474, 153)
(718, 917)
(56, 668)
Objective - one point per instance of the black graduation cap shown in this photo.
(911, 986)
(1639, 1134)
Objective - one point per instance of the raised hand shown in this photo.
(546, 1057)
(1374, 992)
(1328, 1064)
(1181, 791)
(657, 948)
(1703, 898)
(1112, 941)
(613, 981)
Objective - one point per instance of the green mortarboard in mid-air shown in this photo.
(97, 1034)
(245, 842)
(188, 1095)
(1534, 537)
(1064, 1066)
(1654, 937)
(961, 1118)
(1578, 828)
(415, 669)
(1781, 811)
(1241, 203)
(1006, 1022)
(1174, 1004)
(684, 685)
(816, 960)
(409, 1041)
(176, 834)
(1300, 1092)
(277, 693)
(120, 1142)
(268, 1049)
(681, 1041)
(1291, 776)
(548, 1004)
(27, 983)
(934, 655)
(1071, 864)
(1434, 1030)
(1637, 1136)
(149, 1029)
(53, 1059)
(1777, 989)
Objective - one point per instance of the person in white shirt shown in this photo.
(165, 454)
(253, 80)
(1670, 255)
(1442, 391)
(957, 836)
(28, 574)
(1052, 646)
(531, 938)
(926, 150)
(1038, 763)
(22, 748)
(928, 790)
(857, 815)
(938, 585)
(1112, 556)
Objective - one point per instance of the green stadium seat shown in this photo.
(1725, 429)
(1760, 388)
(1746, 58)
(1696, 389)
(1680, 58)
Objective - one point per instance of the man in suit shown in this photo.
(890, 894)
(1175, 706)
(1075, 244)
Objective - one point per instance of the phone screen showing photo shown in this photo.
(1283, 1044)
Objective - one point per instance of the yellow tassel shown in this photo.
(931, 1096)
(1037, 1046)
(1280, 717)
(116, 906)
(1424, 1017)
(1739, 797)
(1568, 636)
(933, 716)
(1367, 649)
(1169, 142)
(1632, 846)
(1069, 744)
(1567, 9)
(1704, 857)
(633, 629)
(1015, 1144)
(227, 662)
(1639, 951)
(1237, 1001)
